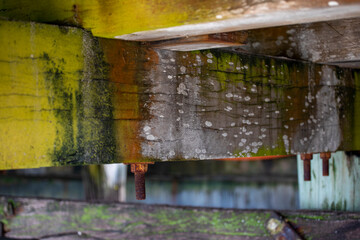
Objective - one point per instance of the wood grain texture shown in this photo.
(218, 104)
(68, 98)
(155, 20)
(54, 219)
(55, 105)
(324, 42)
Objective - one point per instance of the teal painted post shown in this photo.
(338, 191)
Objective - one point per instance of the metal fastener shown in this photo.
(139, 170)
(307, 157)
(325, 162)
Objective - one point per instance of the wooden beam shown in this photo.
(68, 98)
(158, 20)
(324, 42)
(219, 40)
(54, 104)
(55, 219)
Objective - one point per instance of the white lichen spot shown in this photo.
(231, 63)
(172, 60)
(150, 137)
(209, 61)
(178, 119)
(291, 118)
(219, 16)
(224, 134)
(247, 98)
(170, 77)
(243, 140)
(232, 124)
(333, 3)
(182, 69)
(146, 128)
(181, 111)
(229, 95)
(267, 99)
(286, 126)
(181, 89)
(228, 108)
(198, 150)
(172, 153)
(209, 55)
(208, 124)
(161, 116)
(277, 112)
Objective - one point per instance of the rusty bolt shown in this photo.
(325, 162)
(139, 170)
(307, 157)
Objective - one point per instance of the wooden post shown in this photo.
(338, 191)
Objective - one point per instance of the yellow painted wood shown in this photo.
(113, 18)
(34, 60)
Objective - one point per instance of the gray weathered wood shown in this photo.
(332, 41)
(54, 219)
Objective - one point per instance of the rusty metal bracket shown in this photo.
(307, 157)
(325, 156)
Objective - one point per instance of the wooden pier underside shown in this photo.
(68, 98)
(53, 219)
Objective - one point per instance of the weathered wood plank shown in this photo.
(338, 191)
(324, 42)
(52, 112)
(56, 219)
(218, 104)
(203, 42)
(155, 20)
(69, 98)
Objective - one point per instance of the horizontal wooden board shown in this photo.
(324, 42)
(156, 20)
(55, 219)
(68, 98)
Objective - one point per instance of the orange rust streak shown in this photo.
(255, 158)
(126, 60)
